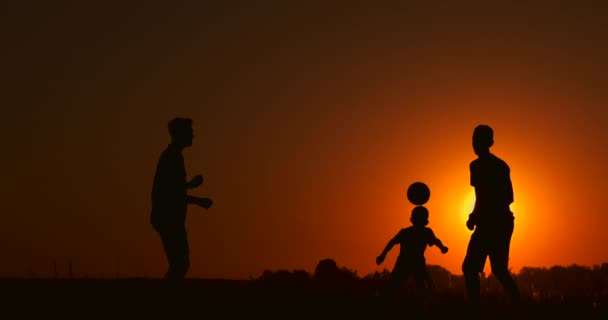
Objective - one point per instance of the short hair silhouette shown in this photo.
(420, 216)
(483, 135)
(178, 125)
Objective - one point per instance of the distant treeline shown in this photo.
(554, 283)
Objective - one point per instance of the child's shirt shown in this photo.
(414, 240)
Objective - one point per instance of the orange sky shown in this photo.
(310, 123)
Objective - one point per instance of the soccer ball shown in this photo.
(418, 193)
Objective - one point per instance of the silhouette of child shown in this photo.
(413, 241)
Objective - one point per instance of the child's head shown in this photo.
(420, 216)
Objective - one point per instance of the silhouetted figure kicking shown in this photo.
(170, 199)
(412, 241)
(491, 219)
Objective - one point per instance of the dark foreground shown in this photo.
(232, 299)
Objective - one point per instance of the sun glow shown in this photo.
(469, 203)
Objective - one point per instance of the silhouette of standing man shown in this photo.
(170, 199)
(491, 219)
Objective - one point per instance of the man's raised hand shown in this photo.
(195, 182)
(204, 202)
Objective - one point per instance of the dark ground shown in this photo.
(235, 299)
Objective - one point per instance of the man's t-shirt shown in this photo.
(169, 190)
(490, 176)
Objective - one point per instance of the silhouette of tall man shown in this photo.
(170, 199)
(491, 218)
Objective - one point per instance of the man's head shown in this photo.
(181, 131)
(420, 216)
(483, 139)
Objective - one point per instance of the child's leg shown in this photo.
(397, 277)
(386, 297)
(429, 283)
(419, 301)
(394, 281)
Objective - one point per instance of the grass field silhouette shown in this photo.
(572, 292)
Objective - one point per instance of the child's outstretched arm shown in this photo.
(388, 248)
(440, 245)
(435, 241)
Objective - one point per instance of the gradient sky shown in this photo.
(311, 120)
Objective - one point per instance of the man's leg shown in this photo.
(473, 264)
(175, 243)
(499, 260)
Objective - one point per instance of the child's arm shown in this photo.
(388, 248)
(435, 241)
(440, 245)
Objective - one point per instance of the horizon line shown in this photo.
(116, 276)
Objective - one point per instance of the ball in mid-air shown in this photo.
(418, 193)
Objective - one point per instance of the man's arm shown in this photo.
(195, 182)
(167, 190)
(509, 188)
(472, 220)
(202, 202)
